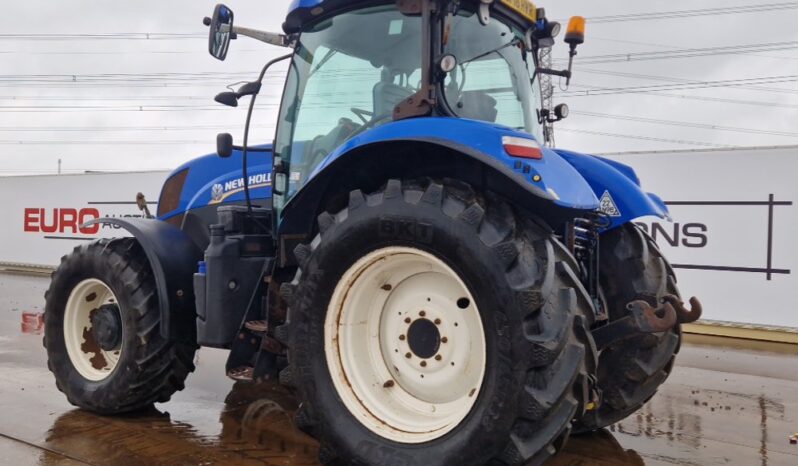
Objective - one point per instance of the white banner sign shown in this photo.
(42, 215)
(735, 225)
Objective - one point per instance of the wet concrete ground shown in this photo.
(727, 402)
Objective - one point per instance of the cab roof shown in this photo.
(301, 12)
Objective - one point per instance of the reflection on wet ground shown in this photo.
(723, 405)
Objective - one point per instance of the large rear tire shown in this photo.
(502, 356)
(631, 371)
(102, 331)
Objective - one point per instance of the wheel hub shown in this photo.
(93, 329)
(424, 338)
(106, 326)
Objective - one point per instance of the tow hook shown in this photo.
(642, 318)
(684, 315)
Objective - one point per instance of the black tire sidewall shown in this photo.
(633, 268)
(100, 396)
(423, 226)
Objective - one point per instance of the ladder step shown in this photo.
(260, 326)
(243, 374)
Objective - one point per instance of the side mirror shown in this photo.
(224, 145)
(227, 98)
(221, 30)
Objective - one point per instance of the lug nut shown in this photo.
(407, 320)
(438, 357)
(402, 337)
(386, 287)
(444, 340)
(423, 363)
(408, 355)
(437, 321)
(388, 384)
(422, 313)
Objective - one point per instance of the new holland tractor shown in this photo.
(436, 285)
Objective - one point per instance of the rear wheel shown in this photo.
(430, 325)
(631, 371)
(102, 331)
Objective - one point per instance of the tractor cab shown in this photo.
(365, 68)
(357, 66)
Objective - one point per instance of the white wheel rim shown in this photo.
(91, 361)
(367, 340)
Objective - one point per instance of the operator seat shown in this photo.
(387, 95)
(477, 105)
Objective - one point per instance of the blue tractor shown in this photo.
(436, 285)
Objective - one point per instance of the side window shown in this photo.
(337, 84)
(489, 94)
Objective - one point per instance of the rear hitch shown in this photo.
(642, 318)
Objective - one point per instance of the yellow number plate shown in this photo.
(525, 7)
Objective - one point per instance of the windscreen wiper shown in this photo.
(513, 42)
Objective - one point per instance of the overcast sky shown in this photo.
(51, 87)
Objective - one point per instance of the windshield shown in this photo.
(495, 78)
(347, 75)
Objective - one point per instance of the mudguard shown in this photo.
(550, 178)
(173, 258)
(618, 188)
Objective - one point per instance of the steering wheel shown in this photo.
(370, 124)
(362, 114)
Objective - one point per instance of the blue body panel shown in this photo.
(568, 179)
(558, 179)
(212, 180)
(619, 182)
(304, 4)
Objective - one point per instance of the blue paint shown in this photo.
(210, 170)
(572, 179)
(557, 177)
(622, 184)
(295, 4)
(299, 12)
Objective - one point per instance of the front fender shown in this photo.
(173, 259)
(618, 188)
(551, 177)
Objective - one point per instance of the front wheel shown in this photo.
(102, 331)
(630, 371)
(430, 325)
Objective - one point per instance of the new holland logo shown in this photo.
(221, 191)
(217, 191)
(608, 206)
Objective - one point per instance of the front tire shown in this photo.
(437, 261)
(630, 371)
(102, 331)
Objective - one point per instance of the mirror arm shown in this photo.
(280, 40)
